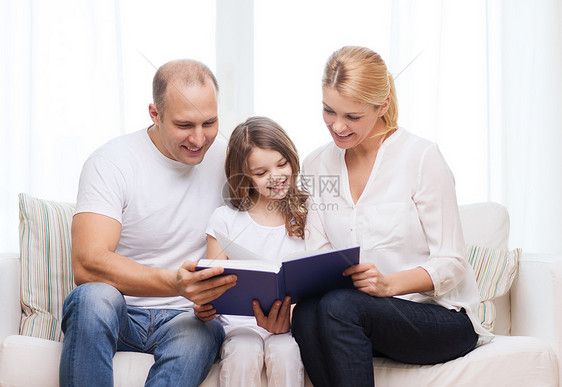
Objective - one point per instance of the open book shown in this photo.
(300, 275)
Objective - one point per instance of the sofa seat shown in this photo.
(506, 361)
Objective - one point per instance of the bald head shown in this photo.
(179, 74)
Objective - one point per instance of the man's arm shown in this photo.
(94, 240)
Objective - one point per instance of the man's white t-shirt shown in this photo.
(163, 205)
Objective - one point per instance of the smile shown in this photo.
(342, 135)
(278, 186)
(192, 149)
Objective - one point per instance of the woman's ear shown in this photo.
(384, 106)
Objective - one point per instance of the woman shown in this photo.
(391, 192)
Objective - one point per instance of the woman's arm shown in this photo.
(436, 203)
(368, 279)
(315, 235)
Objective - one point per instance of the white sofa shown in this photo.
(526, 351)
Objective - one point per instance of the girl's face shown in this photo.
(351, 122)
(271, 173)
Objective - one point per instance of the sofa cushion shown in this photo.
(506, 361)
(46, 268)
(494, 270)
(485, 224)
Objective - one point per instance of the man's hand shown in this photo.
(203, 286)
(278, 319)
(204, 312)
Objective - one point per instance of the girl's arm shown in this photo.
(214, 250)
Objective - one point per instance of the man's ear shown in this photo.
(384, 106)
(154, 115)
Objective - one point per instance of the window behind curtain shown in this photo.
(436, 50)
(76, 74)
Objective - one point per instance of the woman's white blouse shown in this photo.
(406, 217)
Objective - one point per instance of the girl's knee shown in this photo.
(243, 351)
(281, 346)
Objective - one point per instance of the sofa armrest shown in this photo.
(536, 305)
(9, 295)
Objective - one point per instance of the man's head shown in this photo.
(184, 111)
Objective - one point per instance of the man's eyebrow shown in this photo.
(182, 122)
(188, 122)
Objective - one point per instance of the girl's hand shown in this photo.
(368, 279)
(204, 312)
(277, 321)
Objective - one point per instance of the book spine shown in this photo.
(281, 292)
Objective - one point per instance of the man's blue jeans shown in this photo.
(97, 323)
(339, 333)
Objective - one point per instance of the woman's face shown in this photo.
(350, 122)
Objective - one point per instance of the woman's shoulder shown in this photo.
(326, 154)
(412, 139)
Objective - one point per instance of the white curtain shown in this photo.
(75, 74)
(61, 97)
(529, 182)
(482, 78)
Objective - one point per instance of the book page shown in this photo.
(242, 264)
(235, 251)
(310, 253)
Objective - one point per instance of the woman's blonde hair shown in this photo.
(264, 133)
(360, 74)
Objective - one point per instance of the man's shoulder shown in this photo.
(216, 154)
(123, 146)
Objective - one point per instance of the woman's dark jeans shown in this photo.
(339, 333)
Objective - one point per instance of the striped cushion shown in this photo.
(495, 270)
(46, 269)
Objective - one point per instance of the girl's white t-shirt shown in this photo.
(271, 243)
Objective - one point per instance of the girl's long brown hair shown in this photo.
(264, 133)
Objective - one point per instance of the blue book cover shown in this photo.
(301, 275)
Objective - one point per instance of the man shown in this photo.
(143, 204)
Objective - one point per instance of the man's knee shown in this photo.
(93, 301)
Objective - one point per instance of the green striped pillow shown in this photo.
(46, 268)
(495, 270)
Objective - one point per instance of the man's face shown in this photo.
(188, 125)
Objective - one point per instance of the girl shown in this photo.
(267, 214)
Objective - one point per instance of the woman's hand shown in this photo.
(278, 319)
(368, 279)
(204, 312)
